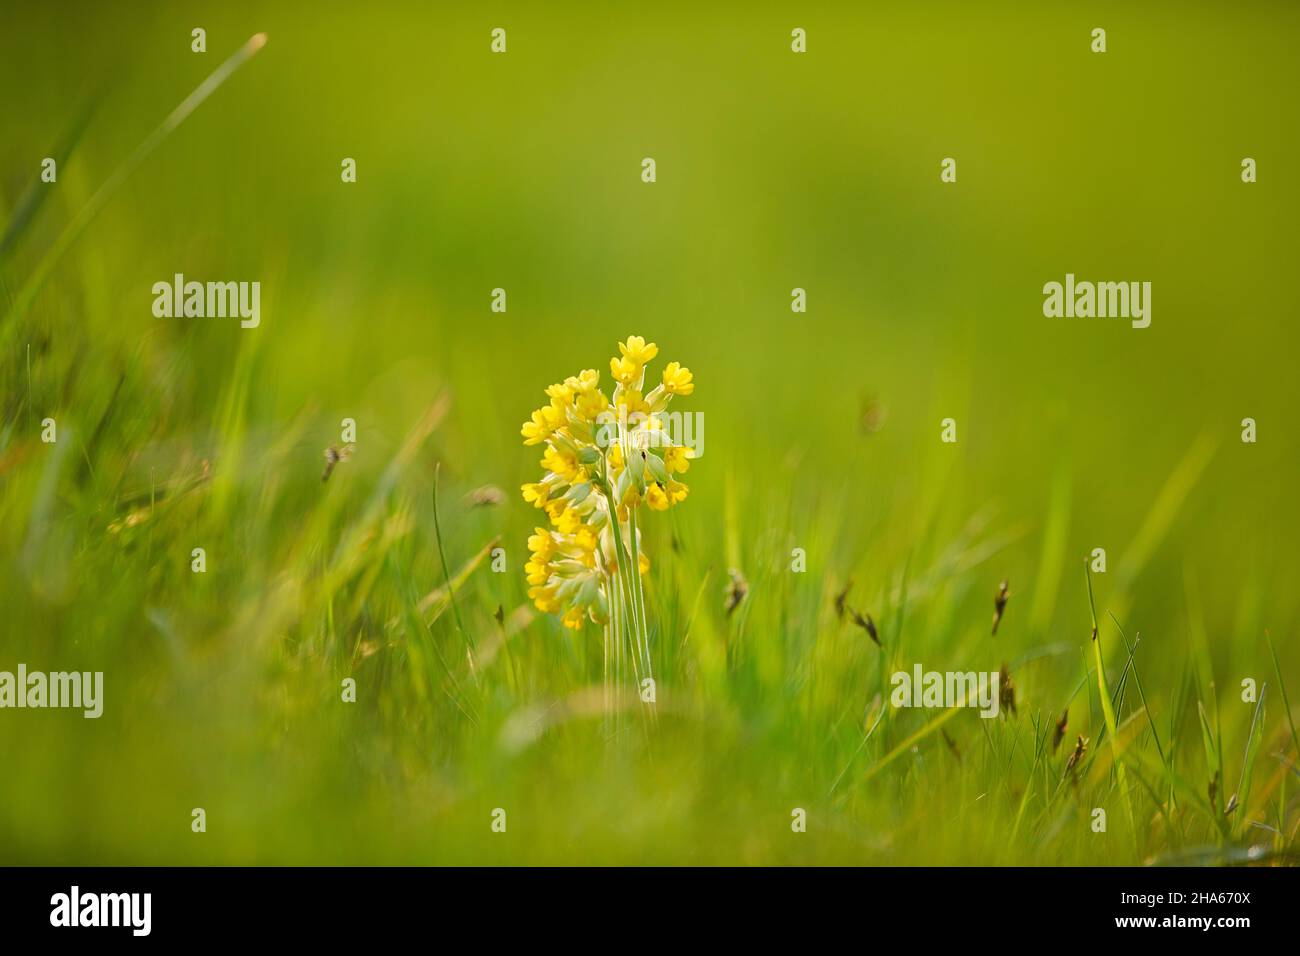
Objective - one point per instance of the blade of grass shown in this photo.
(1248, 761)
(1137, 680)
(865, 738)
(1161, 517)
(35, 193)
(123, 172)
(1286, 702)
(1107, 711)
(915, 738)
(470, 650)
(1213, 763)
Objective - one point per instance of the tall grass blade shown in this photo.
(123, 172)
(36, 192)
(1108, 712)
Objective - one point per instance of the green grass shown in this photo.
(223, 689)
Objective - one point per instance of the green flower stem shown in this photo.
(638, 595)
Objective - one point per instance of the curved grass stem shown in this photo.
(73, 230)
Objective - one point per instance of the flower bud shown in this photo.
(656, 466)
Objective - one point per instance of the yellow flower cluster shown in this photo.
(602, 460)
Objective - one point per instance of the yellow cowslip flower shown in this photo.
(584, 382)
(603, 459)
(677, 459)
(543, 599)
(589, 405)
(676, 491)
(636, 351)
(565, 519)
(560, 394)
(562, 463)
(630, 398)
(541, 544)
(535, 493)
(625, 371)
(656, 498)
(586, 541)
(677, 380)
(541, 425)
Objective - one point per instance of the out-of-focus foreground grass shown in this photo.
(775, 171)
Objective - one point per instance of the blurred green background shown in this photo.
(774, 171)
